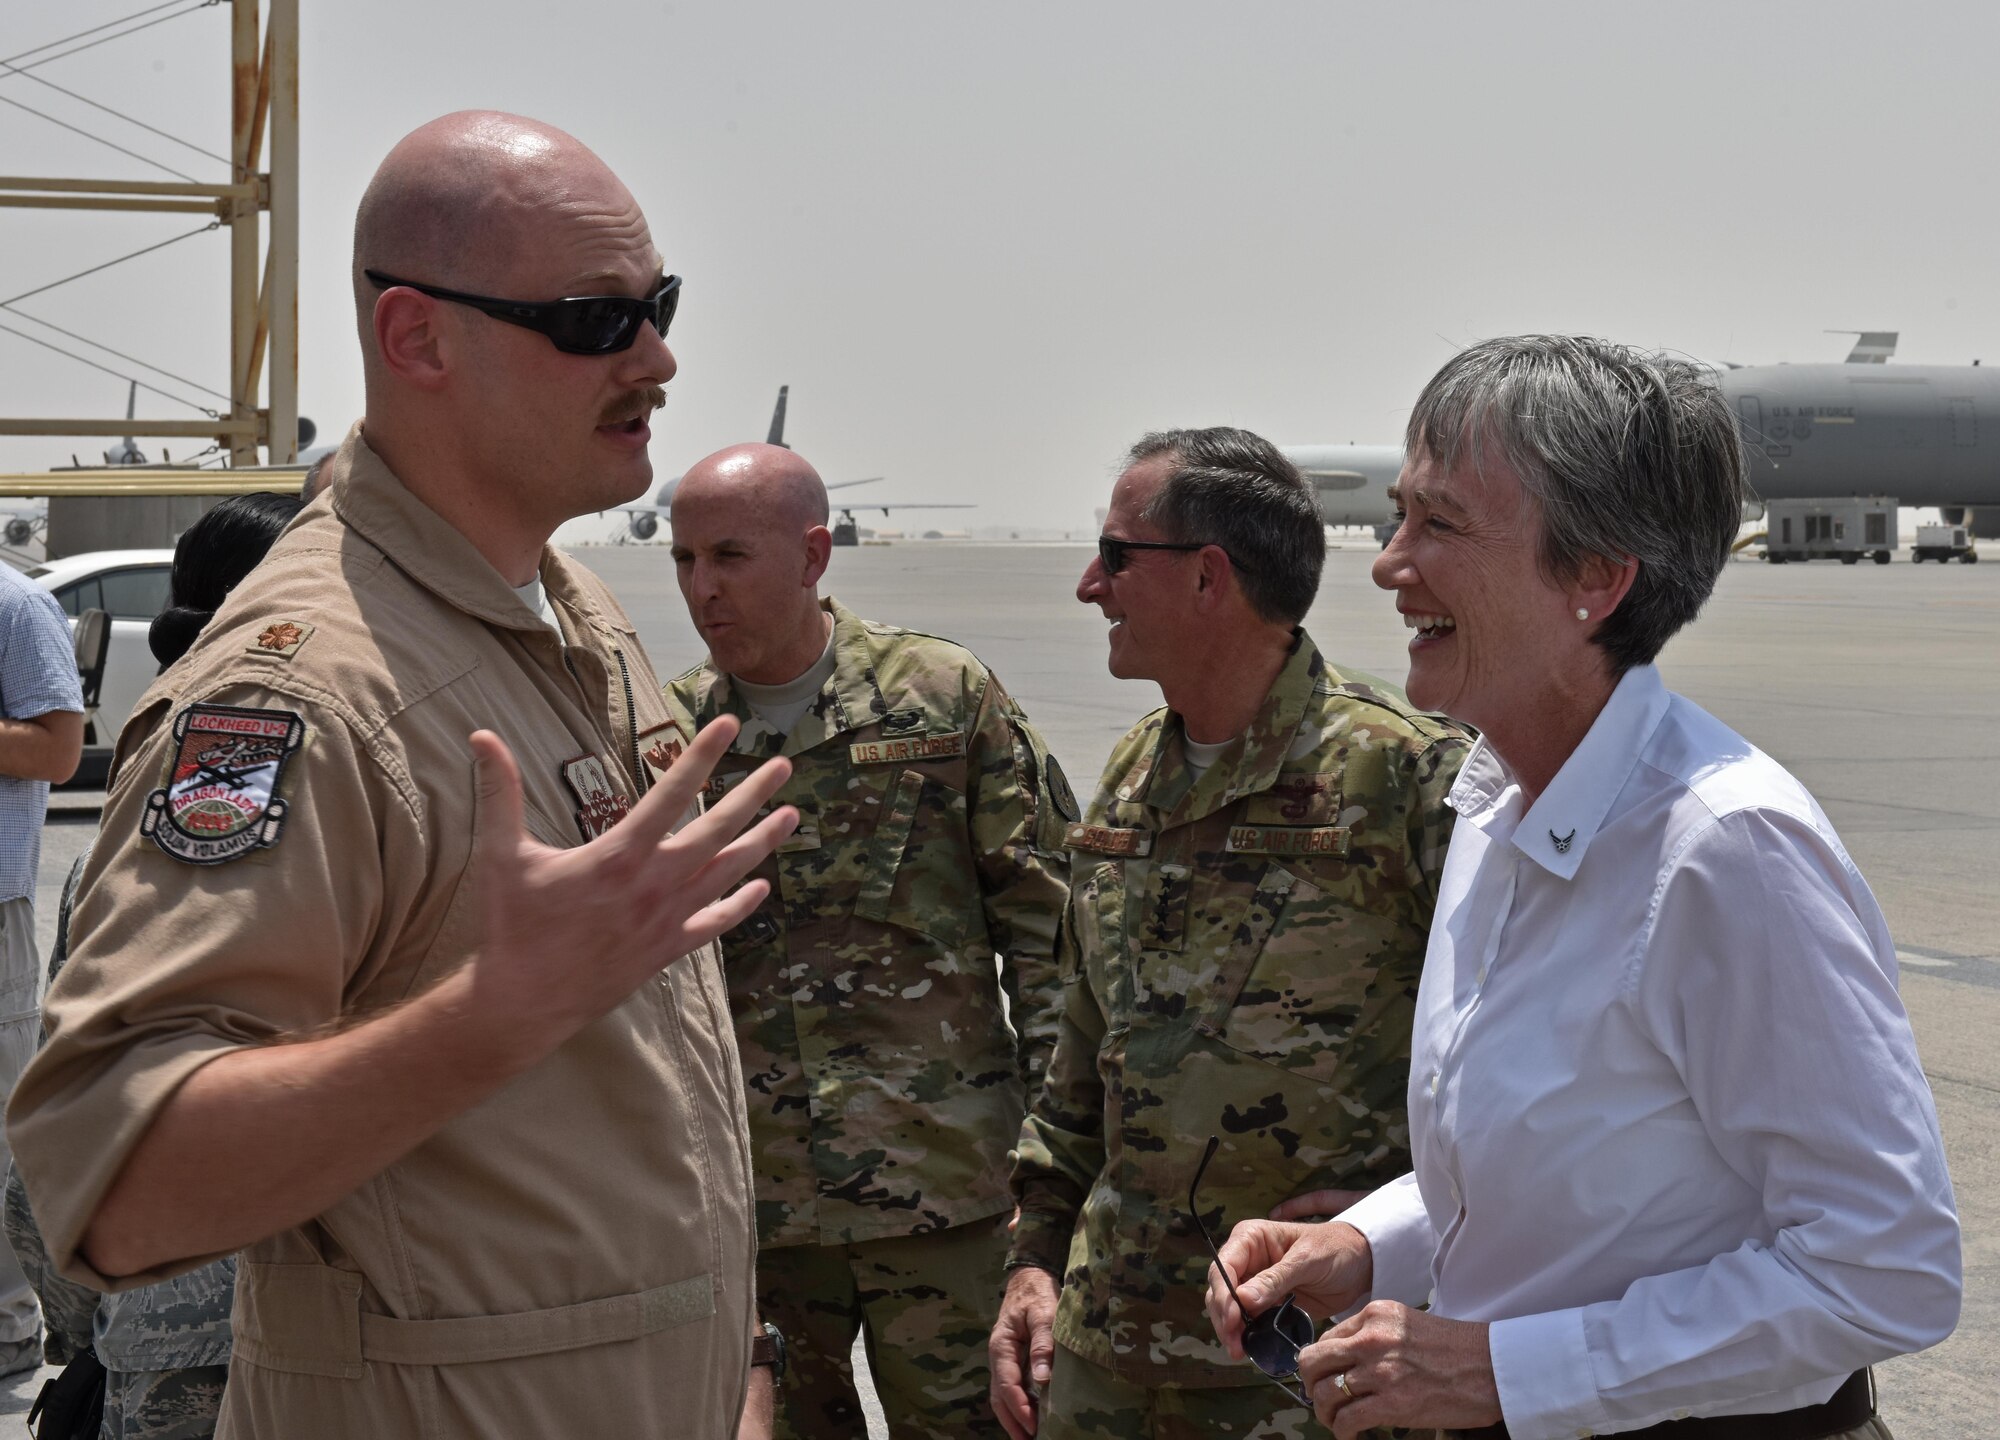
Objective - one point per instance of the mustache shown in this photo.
(635, 406)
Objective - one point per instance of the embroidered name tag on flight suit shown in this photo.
(915, 747)
(1104, 840)
(220, 800)
(599, 807)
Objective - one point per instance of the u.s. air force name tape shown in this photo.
(906, 748)
(1288, 840)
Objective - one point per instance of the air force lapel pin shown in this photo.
(1562, 842)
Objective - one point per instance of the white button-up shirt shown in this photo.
(1669, 1127)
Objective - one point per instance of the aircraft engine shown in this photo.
(1984, 521)
(644, 527)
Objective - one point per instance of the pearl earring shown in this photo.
(1583, 614)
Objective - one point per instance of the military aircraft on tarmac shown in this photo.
(646, 517)
(1351, 482)
(1925, 434)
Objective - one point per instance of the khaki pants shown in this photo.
(924, 1304)
(20, 1029)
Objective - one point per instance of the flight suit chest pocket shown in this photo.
(1304, 985)
(919, 866)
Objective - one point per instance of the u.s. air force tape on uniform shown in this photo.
(1288, 840)
(914, 747)
(220, 800)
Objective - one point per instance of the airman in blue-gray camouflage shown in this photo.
(165, 1347)
(1254, 879)
(886, 1081)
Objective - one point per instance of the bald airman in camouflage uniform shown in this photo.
(1240, 959)
(886, 1082)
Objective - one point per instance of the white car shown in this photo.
(131, 586)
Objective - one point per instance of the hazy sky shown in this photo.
(987, 245)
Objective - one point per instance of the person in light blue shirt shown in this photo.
(41, 741)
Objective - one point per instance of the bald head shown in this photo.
(767, 486)
(750, 546)
(468, 200)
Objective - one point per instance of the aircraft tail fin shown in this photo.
(1871, 347)
(128, 453)
(777, 435)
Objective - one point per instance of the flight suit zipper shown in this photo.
(632, 723)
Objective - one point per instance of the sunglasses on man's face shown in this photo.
(1273, 1339)
(1115, 553)
(584, 325)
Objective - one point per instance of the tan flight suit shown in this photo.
(572, 1255)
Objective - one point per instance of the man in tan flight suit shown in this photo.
(430, 1026)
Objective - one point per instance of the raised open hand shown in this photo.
(570, 933)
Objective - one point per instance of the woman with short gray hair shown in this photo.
(1677, 1169)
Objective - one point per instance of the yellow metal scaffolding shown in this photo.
(263, 274)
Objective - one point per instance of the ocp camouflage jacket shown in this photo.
(885, 1082)
(1240, 958)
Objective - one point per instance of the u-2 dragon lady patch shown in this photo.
(220, 800)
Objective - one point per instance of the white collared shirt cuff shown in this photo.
(1401, 1242)
(1542, 1369)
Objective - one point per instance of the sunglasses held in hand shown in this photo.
(1273, 1339)
(583, 325)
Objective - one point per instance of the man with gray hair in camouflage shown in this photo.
(886, 1085)
(1254, 880)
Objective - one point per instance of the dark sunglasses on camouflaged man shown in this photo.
(1115, 552)
(1273, 1339)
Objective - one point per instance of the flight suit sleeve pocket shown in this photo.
(918, 859)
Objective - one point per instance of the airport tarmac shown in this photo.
(1876, 685)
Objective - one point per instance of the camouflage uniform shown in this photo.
(885, 1082)
(1240, 958)
(165, 1347)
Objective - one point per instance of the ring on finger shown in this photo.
(1340, 1384)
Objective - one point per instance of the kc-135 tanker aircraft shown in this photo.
(1925, 434)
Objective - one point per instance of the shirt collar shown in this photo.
(1265, 746)
(376, 505)
(1557, 829)
(848, 700)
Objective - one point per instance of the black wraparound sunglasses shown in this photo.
(1274, 1338)
(583, 325)
(1115, 552)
